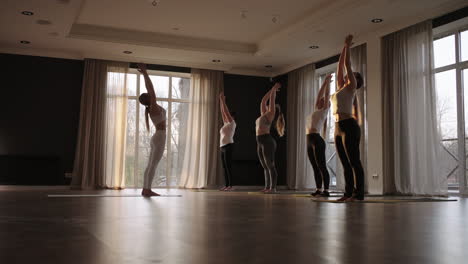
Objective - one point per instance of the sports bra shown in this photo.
(262, 123)
(158, 118)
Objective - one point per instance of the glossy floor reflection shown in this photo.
(215, 227)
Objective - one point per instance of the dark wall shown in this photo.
(243, 96)
(39, 113)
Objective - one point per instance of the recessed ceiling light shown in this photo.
(313, 47)
(127, 52)
(43, 22)
(25, 42)
(27, 13)
(216, 60)
(175, 28)
(268, 66)
(243, 14)
(377, 20)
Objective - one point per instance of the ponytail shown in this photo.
(147, 118)
(280, 123)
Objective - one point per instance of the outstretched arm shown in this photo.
(339, 70)
(351, 79)
(221, 102)
(272, 105)
(148, 82)
(227, 118)
(323, 89)
(263, 104)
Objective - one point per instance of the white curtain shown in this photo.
(201, 167)
(99, 157)
(301, 99)
(411, 138)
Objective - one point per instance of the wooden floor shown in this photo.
(214, 227)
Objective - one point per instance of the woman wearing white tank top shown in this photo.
(226, 141)
(347, 130)
(158, 141)
(316, 123)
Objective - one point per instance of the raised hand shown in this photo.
(141, 67)
(276, 87)
(349, 40)
(221, 96)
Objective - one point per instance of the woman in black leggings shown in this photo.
(226, 141)
(316, 123)
(347, 130)
(266, 144)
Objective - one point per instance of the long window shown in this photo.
(451, 75)
(172, 92)
(331, 155)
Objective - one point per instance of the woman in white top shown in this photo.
(158, 141)
(347, 130)
(266, 144)
(316, 123)
(226, 141)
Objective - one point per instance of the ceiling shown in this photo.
(245, 35)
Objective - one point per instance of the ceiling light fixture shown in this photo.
(27, 13)
(127, 52)
(175, 28)
(155, 2)
(243, 14)
(25, 42)
(377, 20)
(216, 61)
(275, 19)
(268, 66)
(314, 47)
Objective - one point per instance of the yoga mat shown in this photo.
(389, 200)
(105, 195)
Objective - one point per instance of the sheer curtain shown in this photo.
(359, 64)
(201, 167)
(99, 158)
(301, 99)
(411, 138)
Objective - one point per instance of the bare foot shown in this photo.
(264, 190)
(223, 189)
(148, 193)
(270, 191)
(228, 188)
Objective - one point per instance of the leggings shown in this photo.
(226, 158)
(347, 138)
(266, 148)
(316, 153)
(158, 142)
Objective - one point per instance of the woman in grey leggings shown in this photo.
(266, 144)
(158, 141)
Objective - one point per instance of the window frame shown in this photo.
(459, 66)
(169, 128)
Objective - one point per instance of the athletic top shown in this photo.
(158, 118)
(227, 133)
(262, 123)
(315, 120)
(342, 101)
